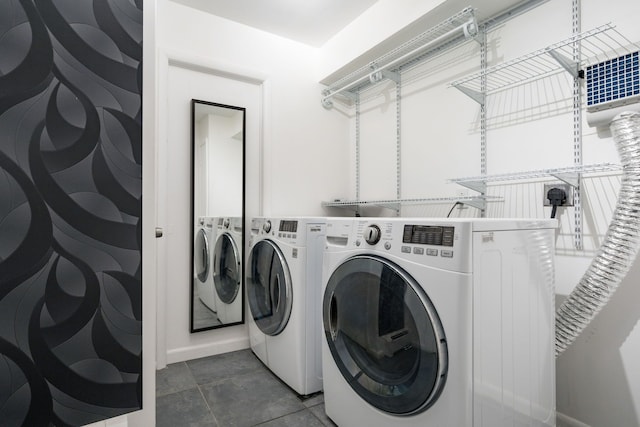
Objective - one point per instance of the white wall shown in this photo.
(225, 177)
(300, 128)
(291, 160)
(307, 159)
(528, 128)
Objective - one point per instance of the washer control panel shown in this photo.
(283, 229)
(429, 240)
(437, 242)
(428, 235)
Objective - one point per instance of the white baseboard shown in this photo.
(120, 421)
(568, 421)
(209, 349)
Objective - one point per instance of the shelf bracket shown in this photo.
(326, 101)
(350, 207)
(473, 94)
(378, 75)
(571, 66)
(476, 202)
(327, 95)
(392, 206)
(573, 179)
(479, 186)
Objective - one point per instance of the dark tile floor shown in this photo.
(231, 389)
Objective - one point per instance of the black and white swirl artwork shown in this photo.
(70, 211)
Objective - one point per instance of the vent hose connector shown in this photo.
(621, 242)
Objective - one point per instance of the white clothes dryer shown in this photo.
(257, 338)
(228, 270)
(205, 237)
(283, 281)
(439, 322)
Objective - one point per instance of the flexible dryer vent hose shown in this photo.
(620, 245)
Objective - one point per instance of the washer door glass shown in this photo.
(269, 287)
(227, 269)
(201, 255)
(384, 335)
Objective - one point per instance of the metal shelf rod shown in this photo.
(373, 76)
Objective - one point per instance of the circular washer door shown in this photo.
(201, 255)
(384, 335)
(227, 268)
(269, 287)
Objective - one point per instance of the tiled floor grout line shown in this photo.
(206, 402)
(282, 416)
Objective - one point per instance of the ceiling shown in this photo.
(311, 22)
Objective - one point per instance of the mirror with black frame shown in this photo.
(217, 206)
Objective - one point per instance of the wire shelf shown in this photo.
(562, 173)
(445, 35)
(596, 45)
(476, 201)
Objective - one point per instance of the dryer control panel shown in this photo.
(428, 235)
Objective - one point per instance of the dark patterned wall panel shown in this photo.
(70, 211)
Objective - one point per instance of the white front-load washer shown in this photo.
(228, 270)
(205, 237)
(438, 322)
(283, 281)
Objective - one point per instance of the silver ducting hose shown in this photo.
(621, 242)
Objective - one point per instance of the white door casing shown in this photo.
(182, 78)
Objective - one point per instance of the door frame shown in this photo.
(166, 59)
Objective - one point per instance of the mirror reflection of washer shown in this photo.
(283, 281)
(228, 270)
(205, 237)
(414, 330)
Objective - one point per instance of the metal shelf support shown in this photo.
(448, 33)
(573, 179)
(477, 96)
(572, 67)
(479, 186)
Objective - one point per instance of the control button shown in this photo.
(372, 234)
(406, 249)
(266, 226)
(418, 251)
(446, 254)
(432, 252)
(387, 245)
(357, 242)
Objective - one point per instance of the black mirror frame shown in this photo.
(241, 295)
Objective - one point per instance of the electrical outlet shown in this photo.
(568, 189)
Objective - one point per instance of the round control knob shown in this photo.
(372, 234)
(226, 223)
(266, 227)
